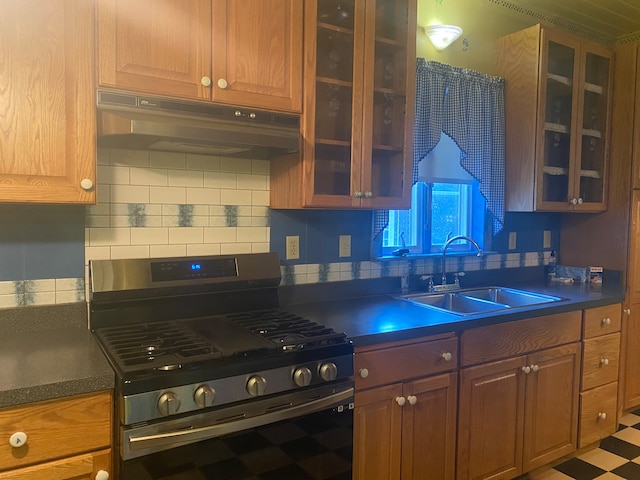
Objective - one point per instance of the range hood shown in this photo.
(132, 121)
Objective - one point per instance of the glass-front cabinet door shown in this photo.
(593, 132)
(574, 106)
(356, 144)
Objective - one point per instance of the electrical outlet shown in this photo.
(344, 246)
(293, 247)
(546, 243)
(512, 240)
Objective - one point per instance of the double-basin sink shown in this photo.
(475, 301)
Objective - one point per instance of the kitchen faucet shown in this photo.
(444, 254)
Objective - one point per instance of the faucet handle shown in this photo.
(428, 278)
(456, 277)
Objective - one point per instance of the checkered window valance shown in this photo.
(469, 107)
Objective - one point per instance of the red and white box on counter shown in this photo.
(595, 275)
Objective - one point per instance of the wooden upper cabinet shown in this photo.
(358, 108)
(240, 52)
(47, 113)
(558, 94)
(155, 46)
(257, 53)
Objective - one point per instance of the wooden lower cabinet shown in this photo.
(405, 409)
(631, 387)
(67, 438)
(518, 414)
(406, 430)
(81, 467)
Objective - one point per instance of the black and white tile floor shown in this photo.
(617, 458)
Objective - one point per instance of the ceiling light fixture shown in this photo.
(442, 36)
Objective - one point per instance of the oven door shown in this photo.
(298, 436)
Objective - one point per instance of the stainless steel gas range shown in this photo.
(214, 380)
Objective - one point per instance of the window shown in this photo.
(438, 211)
(445, 202)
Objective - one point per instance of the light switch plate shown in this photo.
(512, 240)
(546, 243)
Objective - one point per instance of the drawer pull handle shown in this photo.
(18, 439)
(526, 369)
(627, 311)
(401, 401)
(535, 368)
(412, 399)
(604, 361)
(102, 475)
(364, 373)
(606, 321)
(602, 416)
(446, 356)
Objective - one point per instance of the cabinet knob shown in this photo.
(222, 83)
(401, 401)
(627, 311)
(86, 184)
(102, 475)
(604, 361)
(364, 372)
(535, 368)
(446, 356)
(602, 416)
(205, 81)
(606, 321)
(580, 201)
(18, 439)
(368, 194)
(574, 201)
(412, 399)
(357, 194)
(526, 369)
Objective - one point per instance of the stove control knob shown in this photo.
(256, 386)
(204, 396)
(328, 371)
(168, 403)
(302, 377)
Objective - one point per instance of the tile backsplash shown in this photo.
(159, 204)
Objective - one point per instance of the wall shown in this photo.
(157, 204)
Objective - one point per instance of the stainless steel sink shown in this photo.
(479, 300)
(509, 296)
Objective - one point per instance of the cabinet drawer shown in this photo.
(602, 320)
(601, 357)
(595, 404)
(81, 467)
(55, 429)
(396, 364)
(485, 344)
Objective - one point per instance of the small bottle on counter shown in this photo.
(552, 265)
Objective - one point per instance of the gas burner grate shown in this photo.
(155, 345)
(289, 330)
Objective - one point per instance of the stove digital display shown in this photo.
(187, 270)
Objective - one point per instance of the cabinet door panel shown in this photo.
(631, 387)
(377, 433)
(429, 428)
(490, 420)
(155, 46)
(47, 119)
(600, 360)
(551, 418)
(257, 53)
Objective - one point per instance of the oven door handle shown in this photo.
(190, 435)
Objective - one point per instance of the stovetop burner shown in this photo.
(169, 345)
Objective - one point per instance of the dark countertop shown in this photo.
(51, 355)
(383, 318)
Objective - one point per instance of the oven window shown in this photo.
(314, 447)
